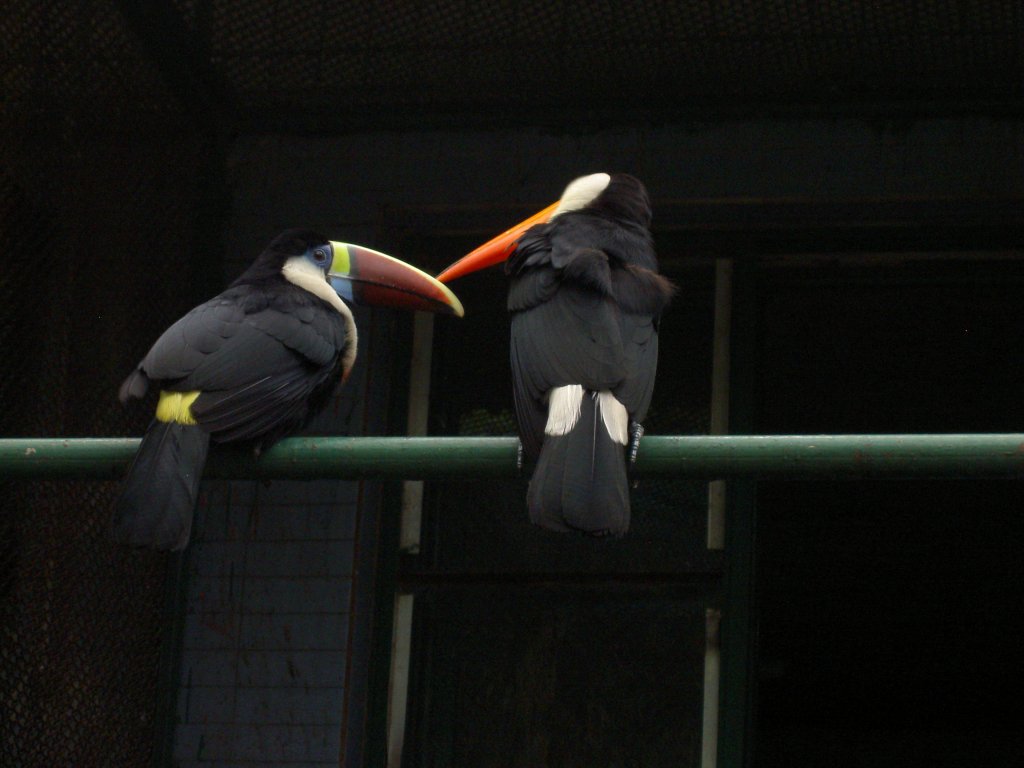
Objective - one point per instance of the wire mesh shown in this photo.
(102, 199)
(97, 211)
(526, 56)
(80, 632)
(334, 64)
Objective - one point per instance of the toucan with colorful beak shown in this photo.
(252, 365)
(585, 298)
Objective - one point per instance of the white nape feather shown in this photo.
(581, 192)
(563, 409)
(299, 271)
(615, 416)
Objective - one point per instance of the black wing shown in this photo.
(641, 295)
(569, 325)
(257, 359)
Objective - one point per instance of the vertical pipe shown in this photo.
(416, 426)
(720, 356)
(400, 650)
(409, 535)
(712, 676)
(720, 394)
(738, 680)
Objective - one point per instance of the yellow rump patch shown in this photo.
(176, 407)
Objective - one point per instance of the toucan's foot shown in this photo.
(636, 431)
(519, 457)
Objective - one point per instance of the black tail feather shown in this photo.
(579, 483)
(159, 495)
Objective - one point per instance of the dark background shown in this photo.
(867, 159)
(890, 611)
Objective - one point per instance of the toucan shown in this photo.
(252, 365)
(585, 298)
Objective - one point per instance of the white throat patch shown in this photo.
(301, 272)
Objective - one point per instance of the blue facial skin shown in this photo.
(322, 256)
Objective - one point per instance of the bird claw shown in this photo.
(519, 456)
(636, 431)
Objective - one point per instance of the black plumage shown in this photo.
(263, 355)
(160, 491)
(585, 298)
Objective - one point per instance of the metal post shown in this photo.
(737, 628)
(416, 426)
(712, 683)
(409, 537)
(720, 395)
(715, 539)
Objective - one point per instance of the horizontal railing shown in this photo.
(423, 458)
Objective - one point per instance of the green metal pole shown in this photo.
(737, 630)
(780, 456)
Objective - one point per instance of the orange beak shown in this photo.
(496, 250)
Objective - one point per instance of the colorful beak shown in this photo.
(365, 276)
(496, 250)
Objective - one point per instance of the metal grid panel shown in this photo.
(79, 632)
(100, 173)
(97, 212)
(519, 60)
(81, 621)
(76, 64)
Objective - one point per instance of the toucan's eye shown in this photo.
(320, 255)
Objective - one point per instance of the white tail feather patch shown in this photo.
(563, 409)
(615, 416)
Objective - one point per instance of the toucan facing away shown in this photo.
(585, 298)
(253, 364)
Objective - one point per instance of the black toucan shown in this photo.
(253, 364)
(585, 298)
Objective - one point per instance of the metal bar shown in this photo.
(409, 537)
(712, 684)
(720, 360)
(401, 649)
(416, 426)
(784, 456)
(737, 689)
(737, 672)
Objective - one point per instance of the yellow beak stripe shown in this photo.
(341, 264)
(176, 407)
